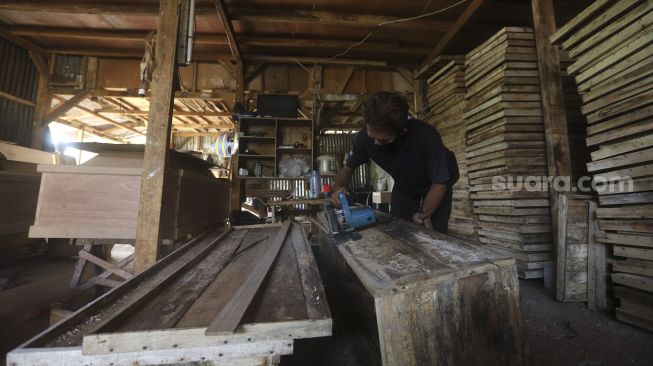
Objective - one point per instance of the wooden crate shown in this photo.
(432, 297)
(610, 54)
(161, 315)
(99, 199)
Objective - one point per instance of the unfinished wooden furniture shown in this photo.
(433, 299)
(161, 316)
(99, 199)
(610, 51)
(580, 259)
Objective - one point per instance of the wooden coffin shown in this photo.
(99, 199)
(435, 299)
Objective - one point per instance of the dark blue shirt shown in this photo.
(415, 160)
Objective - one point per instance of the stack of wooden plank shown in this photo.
(446, 101)
(238, 297)
(610, 46)
(505, 142)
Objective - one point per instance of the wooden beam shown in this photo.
(130, 53)
(92, 7)
(65, 106)
(314, 60)
(345, 80)
(22, 42)
(148, 230)
(445, 41)
(217, 39)
(553, 101)
(333, 19)
(104, 118)
(229, 29)
(88, 129)
(133, 93)
(419, 97)
(135, 112)
(43, 98)
(16, 99)
(231, 314)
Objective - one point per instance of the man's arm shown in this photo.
(341, 183)
(431, 203)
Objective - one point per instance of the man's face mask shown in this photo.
(382, 139)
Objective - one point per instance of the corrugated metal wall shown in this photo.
(340, 145)
(18, 77)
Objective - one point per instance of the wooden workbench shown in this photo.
(437, 300)
(161, 315)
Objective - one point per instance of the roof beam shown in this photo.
(65, 106)
(240, 14)
(334, 19)
(315, 60)
(229, 29)
(16, 99)
(136, 112)
(30, 46)
(92, 7)
(88, 129)
(445, 41)
(106, 119)
(133, 93)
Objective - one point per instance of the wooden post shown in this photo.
(43, 99)
(419, 86)
(158, 134)
(235, 181)
(553, 103)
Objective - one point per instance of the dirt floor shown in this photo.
(558, 334)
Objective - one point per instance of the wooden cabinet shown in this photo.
(270, 141)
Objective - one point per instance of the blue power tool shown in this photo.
(345, 221)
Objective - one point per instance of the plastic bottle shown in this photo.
(314, 185)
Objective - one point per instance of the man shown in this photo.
(411, 151)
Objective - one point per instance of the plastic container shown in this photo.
(314, 185)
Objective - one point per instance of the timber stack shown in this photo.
(446, 101)
(610, 46)
(505, 140)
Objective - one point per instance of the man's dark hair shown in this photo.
(386, 111)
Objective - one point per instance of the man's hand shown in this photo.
(422, 220)
(335, 200)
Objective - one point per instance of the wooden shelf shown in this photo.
(301, 150)
(256, 156)
(258, 138)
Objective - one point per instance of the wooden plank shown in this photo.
(155, 284)
(581, 18)
(314, 296)
(229, 317)
(104, 264)
(148, 232)
(561, 248)
(644, 283)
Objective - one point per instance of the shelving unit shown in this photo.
(263, 138)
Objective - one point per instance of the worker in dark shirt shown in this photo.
(412, 152)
